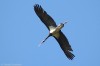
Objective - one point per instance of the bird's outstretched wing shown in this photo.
(65, 46)
(44, 17)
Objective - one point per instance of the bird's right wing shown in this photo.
(65, 46)
(44, 17)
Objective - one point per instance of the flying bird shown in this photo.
(54, 30)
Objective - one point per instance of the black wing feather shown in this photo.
(65, 46)
(44, 17)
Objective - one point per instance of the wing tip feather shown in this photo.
(69, 55)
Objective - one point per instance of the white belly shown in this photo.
(55, 32)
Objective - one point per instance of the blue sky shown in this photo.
(21, 31)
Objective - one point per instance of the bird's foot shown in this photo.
(41, 43)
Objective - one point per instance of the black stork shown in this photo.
(54, 31)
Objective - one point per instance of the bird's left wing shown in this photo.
(44, 17)
(65, 46)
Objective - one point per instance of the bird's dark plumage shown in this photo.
(48, 21)
(44, 17)
(64, 44)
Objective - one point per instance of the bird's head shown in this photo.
(61, 25)
(64, 22)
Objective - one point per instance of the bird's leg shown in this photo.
(45, 39)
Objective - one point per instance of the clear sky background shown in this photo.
(21, 31)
